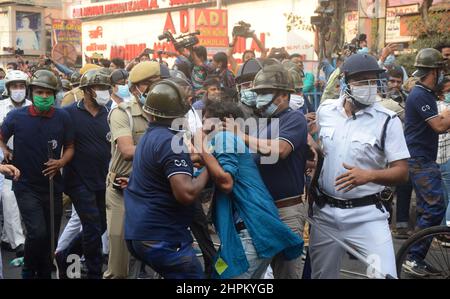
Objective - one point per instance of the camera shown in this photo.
(188, 40)
(243, 29)
(351, 47)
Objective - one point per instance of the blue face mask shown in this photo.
(269, 111)
(123, 91)
(248, 97)
(2, 85)
(364, 50)
(263, 99)
(447, 97)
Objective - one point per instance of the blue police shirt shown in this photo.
(32, 132)
(421, 139)
(151, 210)
(285, 178)
(90, 162)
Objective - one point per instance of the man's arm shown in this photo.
(441, 123)
(396, 174)
(54, 165)
(185, 188)
(126, 147)
(260, 46)
(231, 60)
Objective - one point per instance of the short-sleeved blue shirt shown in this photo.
(421, 139)
(32, 132)
(151, 210)
(89, 165)
(286, 177)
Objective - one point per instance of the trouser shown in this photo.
(404, 193)
(119, 255)
(12, 226)
(292, 269)
(257, 266)
(72, 229)
(35, 211)
(430, 205)
(445, 171)
(199, 228)
(364, 228)
(172, 260)
(90, 207)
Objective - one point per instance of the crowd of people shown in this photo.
(149, 157)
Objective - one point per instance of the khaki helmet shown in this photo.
(45, 79)
(75, 79)
(166, 100)
(144, 70)
(274, 77)
(95, 77)
(66, 85)
(87, 67)
(429, 58)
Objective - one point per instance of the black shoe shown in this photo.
(61, 266)
(20, 250)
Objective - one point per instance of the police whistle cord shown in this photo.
(52, 203)
(348, 248)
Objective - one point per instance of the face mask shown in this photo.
(263, 99)
(447, 97)
(390, 60)
(2, 85)
(123, 91)
(440, 78)
(102, 97)
(269, 110)
(248, 97)
(43, 104)
(18, 95)
(366, 94)
(364, 50)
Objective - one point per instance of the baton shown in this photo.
(52, 203)
(349, 249)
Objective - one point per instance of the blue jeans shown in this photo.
(257, 266)
(172, 260)
(90, 207)
(445, 170)
(427, 182)
(34, 209)
(404, 193)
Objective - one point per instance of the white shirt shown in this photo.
(353, 141)
(5, 106)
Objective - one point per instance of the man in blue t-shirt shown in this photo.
(40, 134)
(282, 148)
(161, 191)
(423, 125)
(85, 175)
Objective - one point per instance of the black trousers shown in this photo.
(34, 208)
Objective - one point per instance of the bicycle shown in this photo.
(438, 256)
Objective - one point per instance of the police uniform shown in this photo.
(355, 142)
(12, 227)
(127, 119)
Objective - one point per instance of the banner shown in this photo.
(213, 26)
(66, 41)
(395, 29)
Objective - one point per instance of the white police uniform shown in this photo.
(354, 142)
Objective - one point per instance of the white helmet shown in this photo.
(15, 76)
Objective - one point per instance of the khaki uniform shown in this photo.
(72, 96)
(119, 121)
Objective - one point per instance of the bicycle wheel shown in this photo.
(438, 256)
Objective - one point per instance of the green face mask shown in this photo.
(43, 104)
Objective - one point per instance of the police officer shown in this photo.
(16, 89)
(160, 195)
(34, 128)
(85, 176)
(244, 82)
(76, 94)
(423, 126)
(128, 124)
(145, 74)
(281, 144)
(359, 138)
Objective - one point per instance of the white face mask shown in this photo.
(18, 95)
(102, 97)
(366, 94)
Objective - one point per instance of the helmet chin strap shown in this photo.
(355, 105)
